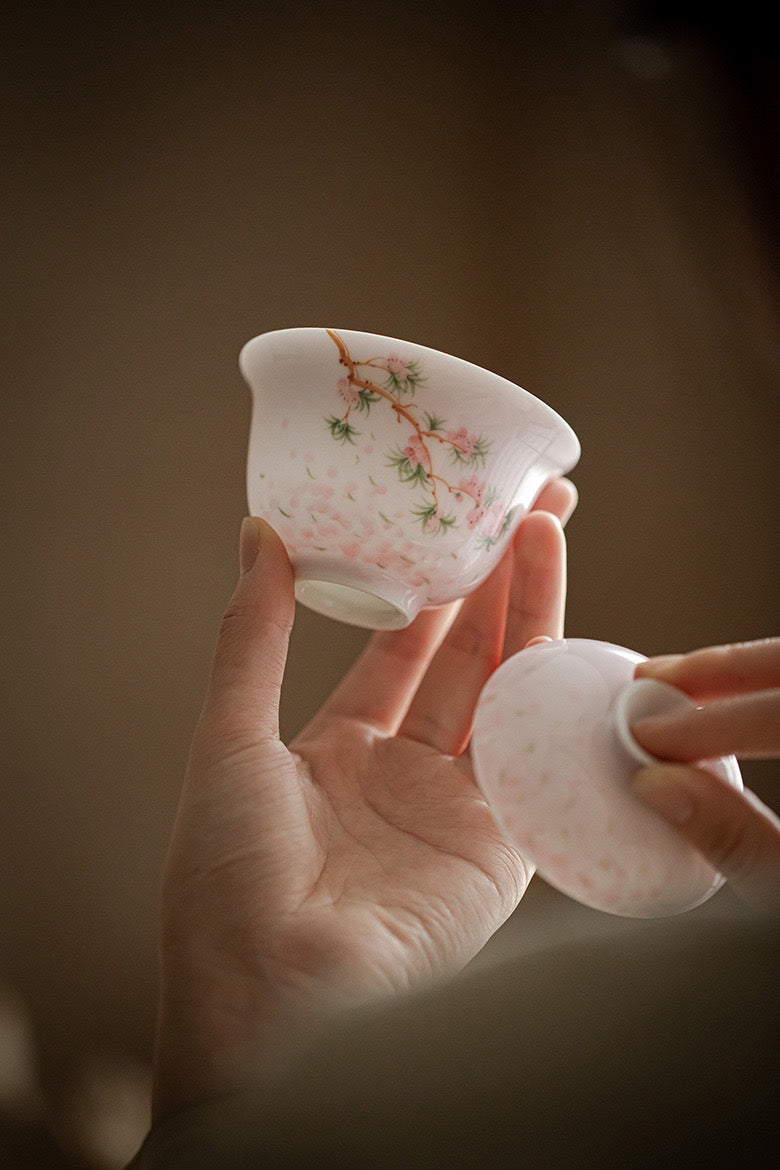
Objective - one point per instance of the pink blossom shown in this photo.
(349, 393)
(496, 517)
(417, 453)
(462, 440)
(398, 368)
(473, 487)
(351, 549)
(432, 523)
(475, 517)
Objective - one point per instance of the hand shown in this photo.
(361, 860)
(738, 687)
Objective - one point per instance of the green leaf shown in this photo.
(416, 376)
(366, 398)
(408, 385)
(341, 430)
(407, 473)
(426, 513)
(487, 542)
(475, 458)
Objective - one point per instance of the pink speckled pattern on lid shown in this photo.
(551, 765)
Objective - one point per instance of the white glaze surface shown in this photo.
(394, 472)
(644, 697)
(552, 766)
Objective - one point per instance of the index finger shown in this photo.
(741, 725)
(719, 670)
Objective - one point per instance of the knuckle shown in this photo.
(240, 610)
(467, 637)
(424, 725)
(241, 615)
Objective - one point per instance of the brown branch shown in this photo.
(346, 359)
(456, 491)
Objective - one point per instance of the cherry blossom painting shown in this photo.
(438, 459)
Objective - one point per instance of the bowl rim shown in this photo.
(564, 449)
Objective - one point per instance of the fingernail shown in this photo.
(659, 666)
(569, 510)
(663, 788)
(248, 543)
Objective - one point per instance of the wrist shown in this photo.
(222, 1022)
(215, 1032)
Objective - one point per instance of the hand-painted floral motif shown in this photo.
(421, 459)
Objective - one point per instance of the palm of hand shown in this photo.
(405, 867)
(363, 859)
(355, 860)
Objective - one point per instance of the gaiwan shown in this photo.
(554, 758)
(396, 475)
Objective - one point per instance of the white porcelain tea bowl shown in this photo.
(395, 474)
(554, 757)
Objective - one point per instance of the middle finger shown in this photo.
(442, 711)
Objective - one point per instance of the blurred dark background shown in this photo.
(581, 197)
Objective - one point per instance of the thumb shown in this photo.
(242, 703)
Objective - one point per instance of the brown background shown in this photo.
(555, 191)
